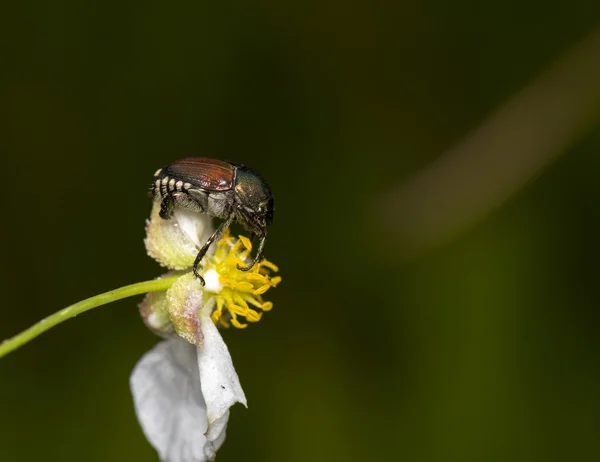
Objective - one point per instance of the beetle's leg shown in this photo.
(222, 227)
(259, 255)
(166, 207)
(181, 200)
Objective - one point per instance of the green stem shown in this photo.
(71, 311)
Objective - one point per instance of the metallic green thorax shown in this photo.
(254, 194)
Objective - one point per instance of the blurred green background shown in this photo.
(482, 347)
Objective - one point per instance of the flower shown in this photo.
(183, 388)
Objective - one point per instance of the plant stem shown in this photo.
(71, 311)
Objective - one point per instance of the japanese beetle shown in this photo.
(231, 192)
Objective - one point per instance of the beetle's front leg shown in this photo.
(217, 234)
(259, 255)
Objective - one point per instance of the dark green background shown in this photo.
(483, 349)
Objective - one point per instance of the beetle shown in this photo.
(224, 190)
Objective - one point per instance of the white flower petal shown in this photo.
(220, 383)
(169, 405)
(196, 226)
(174, 243)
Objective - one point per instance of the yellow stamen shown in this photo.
(240, 289)
(268, 264)
(253, 316)
(244, 240)
(237, 324)
(216, 315)
(261, 290)
(244, 286)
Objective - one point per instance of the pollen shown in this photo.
(237, 295)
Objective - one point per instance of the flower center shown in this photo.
(237, 295)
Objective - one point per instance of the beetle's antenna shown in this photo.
(259, 254)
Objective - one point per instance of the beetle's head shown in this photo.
(255, 203)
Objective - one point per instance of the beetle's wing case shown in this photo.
(203, 172)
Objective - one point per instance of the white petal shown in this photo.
(169, 405)
(196, 226)
(220, 383)
(174, 243)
